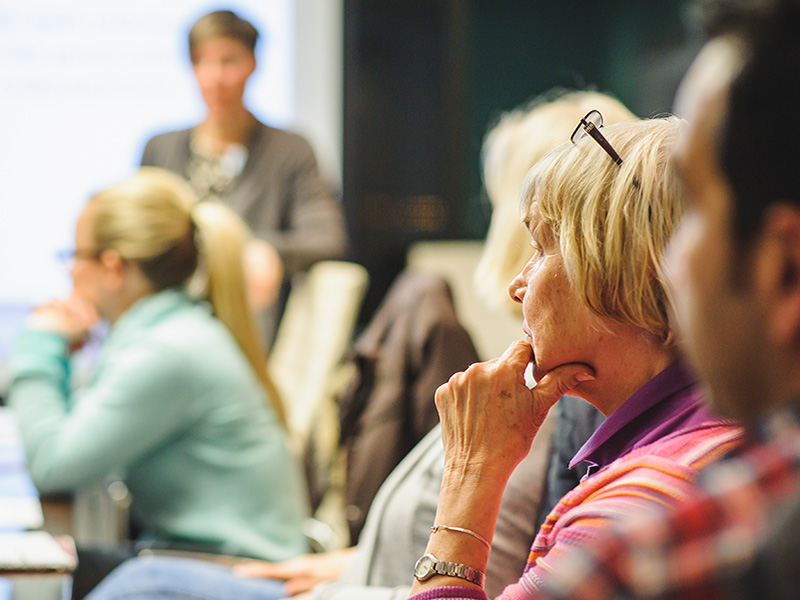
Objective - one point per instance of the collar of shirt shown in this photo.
(147, 312)
(669, 401)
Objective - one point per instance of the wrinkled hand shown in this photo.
(301, 573)
(490, 417)
(71, 318)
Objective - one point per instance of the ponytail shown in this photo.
(222, 238)
(155, 220)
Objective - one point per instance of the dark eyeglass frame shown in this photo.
(590, 125)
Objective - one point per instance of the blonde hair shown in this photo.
(612, 222)
(153, 219)
(520, 138)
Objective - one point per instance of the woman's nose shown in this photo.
(516, 289)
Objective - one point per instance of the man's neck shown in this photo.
(215, 134)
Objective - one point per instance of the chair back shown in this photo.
(314, 333)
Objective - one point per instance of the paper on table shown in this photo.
(20, 513)
(36, 551)
(20, 507)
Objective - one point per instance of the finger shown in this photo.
(52, 306)
(261, 569)
(561, 380)
(519, 352)
(82, 308)
(300, 585)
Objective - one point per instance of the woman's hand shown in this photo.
(489, 415)
(71, 318)
(489, 419)
(303, 572)
(263, 269)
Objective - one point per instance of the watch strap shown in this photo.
(459, 570)
(428, 566)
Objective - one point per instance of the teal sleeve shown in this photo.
(42, 354)
(140, 398)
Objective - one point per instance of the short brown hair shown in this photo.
(222, 23)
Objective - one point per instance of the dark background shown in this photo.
(425, 79)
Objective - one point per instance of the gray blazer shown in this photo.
(279, 194)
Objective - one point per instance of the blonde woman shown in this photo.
(520, 138)
(599, 211)
(512, 146)
(180, 404)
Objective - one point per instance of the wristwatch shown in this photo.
(428, 566)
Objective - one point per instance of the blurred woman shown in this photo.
(180, 405)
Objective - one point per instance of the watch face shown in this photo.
(424, 568)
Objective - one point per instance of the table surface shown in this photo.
(25, 510)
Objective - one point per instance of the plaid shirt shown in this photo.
(704, 549)
(707, 548)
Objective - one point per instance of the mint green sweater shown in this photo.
(176, 409)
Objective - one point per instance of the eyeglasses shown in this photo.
(68, 257)
(590, 125)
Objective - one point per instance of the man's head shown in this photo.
(735, 259)
(222, 24)
(222, 49)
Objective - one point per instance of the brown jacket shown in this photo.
(413, 344)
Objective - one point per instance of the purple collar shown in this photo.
(669, 402)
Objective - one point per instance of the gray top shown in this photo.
(401, 516)
(279, 193)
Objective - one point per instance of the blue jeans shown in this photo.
(162, 578)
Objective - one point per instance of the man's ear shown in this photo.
(777, 273)
(113, 268)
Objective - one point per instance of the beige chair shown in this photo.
(306, 364)
(491, 328)
(313, 335)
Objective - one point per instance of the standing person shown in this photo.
(269, 177)
(180, 404)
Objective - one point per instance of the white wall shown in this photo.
(84, 84)
(318, 43)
